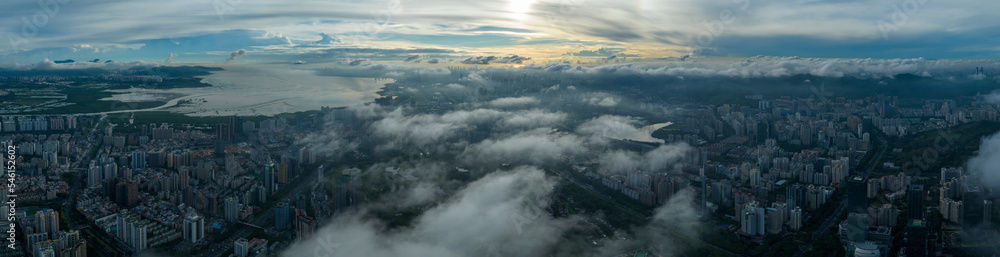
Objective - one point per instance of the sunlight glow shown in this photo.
(520, 8)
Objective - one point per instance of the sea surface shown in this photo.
(257, 89)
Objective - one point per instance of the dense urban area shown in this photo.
(835, 167)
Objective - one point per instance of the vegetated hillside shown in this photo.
(929, 151)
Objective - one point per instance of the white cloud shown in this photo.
(538, 146)
(500, 214)
(987, 161)
(761, 67)
(514, 101)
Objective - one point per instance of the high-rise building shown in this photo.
(132, 231)
(795, 219)
(47, 251)
(138, 160)
(224, 132)
(232, 209)
(775, 221)
(194, 227)
(241, 247)
(126, 193)
(885, 215)
(857, 195)
(269, 178)
(304, 225)
(795, 195)
(857, 225)
(987, 213)
(184, 176)
(753, 219)
(95, 174)
(916, 238)
(345, 193)
(47, 221)
(281, 215)
(915, 202)
(78, 249)
(283, 173)
(973, 207)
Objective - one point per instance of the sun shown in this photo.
(519, 9)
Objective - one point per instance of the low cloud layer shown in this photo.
(501, 214)
(763, 67)
(657, 160)
(986, 163)
(539, 146)
(477, 221)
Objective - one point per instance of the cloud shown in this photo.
(426, 130)
(757, 27)
(454, 86)
(494, 59)
(328, 40)
(235, 54)
(328, 142)
(769, 67)
(986, 162)
(657, 160)
(505, 102)
(434, 71)
(170, 57)
(538, 146)
(611, 126)
(497, 215)
(992, 98)
(356, 62)
(47, 64)
(532, 119)
(601, 99)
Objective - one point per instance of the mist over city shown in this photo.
(550, 128)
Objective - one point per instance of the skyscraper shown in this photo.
(269, 179)
(232, 206)
(916, 238)
(857, 195)
(915, 202)
(47, 221)
(345, 193)
(194, 227)
(752, 221)
(795, 195)
(795, 219)
(775, 221)
(283, 173)
(281, 215)
(857, 225)
(241, 247)
(138, 160)
(132, 230)
(973, 207)
(304, 225)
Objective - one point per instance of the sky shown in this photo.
(542, 30)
